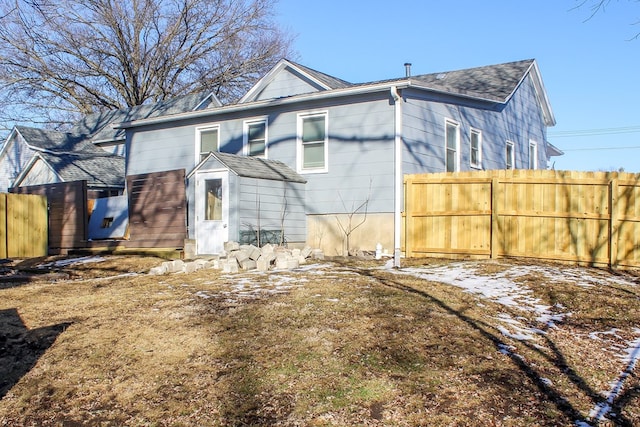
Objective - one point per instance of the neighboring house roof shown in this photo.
(253, 167)
(48, 140)
(98, 169)
(493, 84)
(96, 126)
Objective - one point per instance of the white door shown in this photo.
(212, 212)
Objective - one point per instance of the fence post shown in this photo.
(494, 217)
(613, 222)
(4, 236)
(408, 227)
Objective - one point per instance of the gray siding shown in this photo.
(272, 205)
(287, 83)
(520, 122)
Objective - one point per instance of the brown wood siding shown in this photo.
(68, 217)
(157, 209)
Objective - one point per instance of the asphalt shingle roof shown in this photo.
(97, 126)
(106, 170)
(257, 167)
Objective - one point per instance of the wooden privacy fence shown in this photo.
(584, 217)
(23, 226)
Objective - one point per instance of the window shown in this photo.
(510, 155)
(476, 148)
(255, 138)
(452, 141)
(207, 140)
(213, 197)
(312, 143)
(533, 155)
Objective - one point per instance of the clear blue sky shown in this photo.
(590, 67)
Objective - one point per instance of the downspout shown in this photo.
(397, 171)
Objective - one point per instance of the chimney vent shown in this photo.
(407, 68)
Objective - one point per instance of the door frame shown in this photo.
(223, 225)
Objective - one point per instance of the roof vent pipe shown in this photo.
(407, 68)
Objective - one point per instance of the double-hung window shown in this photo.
(207, 140)
(313, 143)
(255, 138)
(475, 142)
(510, 155)
(452, 142)
(533, 155)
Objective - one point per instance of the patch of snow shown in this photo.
(600, 411)
(71, 261)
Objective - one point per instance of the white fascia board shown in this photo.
(12, 134)
(336, 93)
(541, 93)
(268, 78)
(25, 171)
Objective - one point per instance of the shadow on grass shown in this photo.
(20, 348)
(554, 356)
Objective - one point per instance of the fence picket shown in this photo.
(583, 217)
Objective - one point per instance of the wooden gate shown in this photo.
(68, 215)
(23, 226)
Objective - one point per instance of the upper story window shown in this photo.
(207, 140)
(452, 143)
(476, 148)
(510, 155)
(255, 138)
(313, 143)
(533, 155)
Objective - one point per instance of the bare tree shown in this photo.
(600, 6)
(60, 57)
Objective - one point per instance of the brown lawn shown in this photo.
(341, 343)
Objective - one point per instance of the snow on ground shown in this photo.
(503, 288)
(71, 261)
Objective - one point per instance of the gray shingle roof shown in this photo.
(52, 140)
(330, 81)
(490, 82)
(97, 126)
(256, 167)
(99, 170)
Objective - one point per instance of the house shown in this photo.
(46, 157)
(351, 143)
(31, 155)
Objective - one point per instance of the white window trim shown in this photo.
(533, 145)
(299, 152)
(245, 135)
(457, 160)
(199, 131)
(513, 155)
(477, 165)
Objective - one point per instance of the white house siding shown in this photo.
(39, 174)
(15, 158)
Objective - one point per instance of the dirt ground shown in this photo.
(98, 341)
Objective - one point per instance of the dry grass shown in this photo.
(354, 345)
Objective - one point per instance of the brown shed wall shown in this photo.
(157, 209)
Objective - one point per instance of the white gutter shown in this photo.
(357, 90)
(397, 176)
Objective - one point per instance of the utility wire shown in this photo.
(602, 148)
(594, 132)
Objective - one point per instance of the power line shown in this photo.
(602, 148)
(594, 132)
